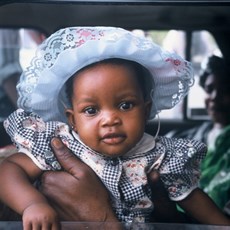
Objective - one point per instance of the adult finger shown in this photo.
(157, 186)
(165, 210)
(67, 160)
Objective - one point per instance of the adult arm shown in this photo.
(227, 209)
(82, 196)
(165, 210)
(203, 209)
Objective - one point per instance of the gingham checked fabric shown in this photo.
(125, 177)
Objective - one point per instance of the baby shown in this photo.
(111, 83)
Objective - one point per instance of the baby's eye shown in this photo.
(90, 111)
(126, 106)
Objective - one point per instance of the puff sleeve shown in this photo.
(32, 136)
(180, 168)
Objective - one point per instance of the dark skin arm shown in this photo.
(203, 209)
(82, 197)
(165, 210)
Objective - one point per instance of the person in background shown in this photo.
(215, 168)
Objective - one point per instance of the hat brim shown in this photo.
(41, 86)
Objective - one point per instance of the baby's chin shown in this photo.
(113, 152)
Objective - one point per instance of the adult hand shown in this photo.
(165, 210)
(77, 194)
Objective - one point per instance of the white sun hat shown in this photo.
(41, 87)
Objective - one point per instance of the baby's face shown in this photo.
(109, 112)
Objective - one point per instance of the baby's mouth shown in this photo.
(113, 138)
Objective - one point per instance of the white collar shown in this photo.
(146, 143)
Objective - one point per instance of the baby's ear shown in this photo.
(70, 116)
(148, 106)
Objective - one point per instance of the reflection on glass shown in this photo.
(17, 47)
(203, 45)
(10, 70)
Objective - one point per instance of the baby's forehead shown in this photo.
(109, 70)
(111, 63)
(129, 69)
(115, 80)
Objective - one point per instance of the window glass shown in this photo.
(202, 46)
(17, 46)
(30, 39)
(170, 40)
(21, 44)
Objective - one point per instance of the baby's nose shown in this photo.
(110, 118)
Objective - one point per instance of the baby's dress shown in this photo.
(177, 160)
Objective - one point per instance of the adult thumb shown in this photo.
(164, 209)
(157, 186)
(65, 157)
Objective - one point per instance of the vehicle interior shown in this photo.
(195, 29)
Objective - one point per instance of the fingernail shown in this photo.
(56, 142)
(151, 169)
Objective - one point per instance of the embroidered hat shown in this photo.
(41, 87)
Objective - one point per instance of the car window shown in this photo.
(30, 39)
(27, 42)
(202, 45)
(17, 46)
